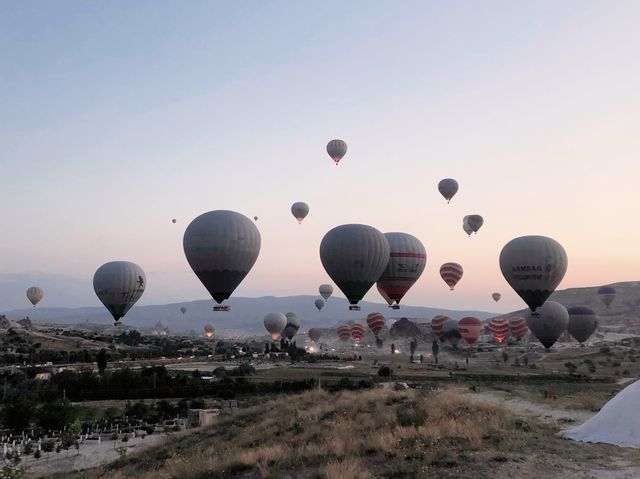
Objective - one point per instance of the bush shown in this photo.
(411, 416)
(385, 372)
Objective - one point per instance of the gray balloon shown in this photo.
(319, 304)
(119, 285)
(473, 222)
(336, 150)
(35, 295)
(221, 247)
(325, 290)
(450, 331)
(354, 256)
(448, 188)
(292, 327)
(465, 226)
(548, 323)
(583, 322)
(300, 210)
(534, 267)
(274, 324)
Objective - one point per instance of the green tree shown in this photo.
(101, 359)
(17, 414)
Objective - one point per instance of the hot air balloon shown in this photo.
(315, 334)
(354, 257)
(436, 325)
(451, 273)
(474, 222)
(533, 266)
(35, 295)
(465, 226)
(292, 327)
(173, 221)
(344, 332)
(384, 295)
(376, 322)
(499, 328)
(326, 290)
(548, 323)
(209, 331)
(275, 324)
(496, 296)
(582, 323)
(221, 247)
(450, 332)
(336, 149)
(183, 310)
(357, 332)
(319, 303)
(300, 210)
(607, 294)
(470, 329)
(448, 188)
(255, 218)
(407, 260)
(518, 328)
(119, 285)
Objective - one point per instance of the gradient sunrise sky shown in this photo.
(116, 117)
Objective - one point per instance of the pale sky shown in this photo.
(116, 117)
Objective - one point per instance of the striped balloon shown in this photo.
(384, 295)
(436, 324)
(470, 329)
(499, 328)
(357, 332)
(35, 295)
(336, 150)
(407, 259)
(376, 322)
(518, 328)
(314, 334)
(451, 273)
(344, 332)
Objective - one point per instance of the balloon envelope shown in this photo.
(344, 332)
(548, 323)
(319, 303)
(119, 285)
(407, 260)
(300, 211)
(275, 323)
(336, 150)
(450, 331)
(448, 188)
(473, 222)
(607, 294)
(496, 296)
(315, 334)
(499, 328)
(533, 266)
(292, 327)
(357, 332)
(583, 322)
(518, 328)
(325, 290)
(209, 331)
(183, 310)
(221, 247)
(35, 295)
(465, 226)
(470, 329)
(451, 273)
(354, 257)
(436, 324)
(376, 322)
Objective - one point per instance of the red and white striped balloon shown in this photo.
(470, 329)
(376, 322)
(344, 332)
(357, 332)
(499, 328)
(518, 327)
(451, 273)
(436, 324)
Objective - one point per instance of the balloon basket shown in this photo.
(222, 308)
(354, 307)
(395, 306)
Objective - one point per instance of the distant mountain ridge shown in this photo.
(245, 317)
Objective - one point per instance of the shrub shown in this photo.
(385, 372)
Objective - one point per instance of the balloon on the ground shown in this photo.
(119, 285)
(35, 295)
(209, 331)
(325, 290)
(436, 325)
(470, 329)
(496, 296)
(376, 323)
(336, 150)
(548, 322)
(315, 334)
(448, 188)
(344, 332)
(354, 256)
(299, 210)
(607, 294)
(221, 247)
(583, 322)
(499, 328)
(451, 273)
(319, 303)
(275, 323)
(451, 332)
(357, 332)
(518, 328)
(407, 260)
(292, 327)
(534, 267)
